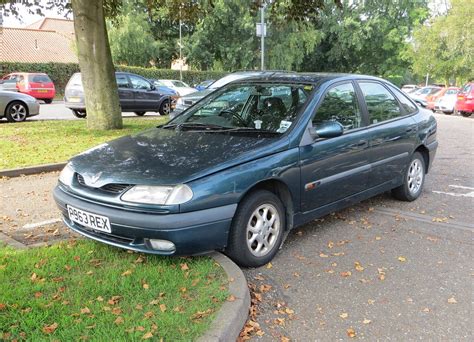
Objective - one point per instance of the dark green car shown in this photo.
(248, 163)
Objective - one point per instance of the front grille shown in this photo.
(188, 102)
(111, 187)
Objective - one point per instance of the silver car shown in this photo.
(16, 107)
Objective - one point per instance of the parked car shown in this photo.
(173, 94)
(447, 102)
(465, 100)
(238, 175)
(136, 94)
(38, 85)
(16, 107)
(204, 85)
(410, 88)
(420, 95)
(432, 98)
(188, 100)
(180, 87)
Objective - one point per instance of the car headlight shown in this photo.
(66, 176)
(163, 195)
(179, 102)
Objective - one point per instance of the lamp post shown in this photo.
(180, 48)
(262, 35)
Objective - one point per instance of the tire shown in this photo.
(247, 237)
(48, 101)
(16, 111)
(81, 114)
(165, 108)
(414, 179)
(140, 113)
(465, 114)
(447, 113)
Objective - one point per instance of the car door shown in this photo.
(392, 131)
(334, 169)
(125, 92)
(145, 97)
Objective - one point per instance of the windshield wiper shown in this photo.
(198, 125)
(248, 130)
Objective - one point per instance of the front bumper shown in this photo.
(192, 233)
(33, 108)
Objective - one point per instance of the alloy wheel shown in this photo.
(263, 229)
(415, 176)
(18, 112)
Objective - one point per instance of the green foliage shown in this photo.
(444, 47)
(61, 72)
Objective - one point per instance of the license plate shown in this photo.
(42, 90)
(94, 221)
(74, 99)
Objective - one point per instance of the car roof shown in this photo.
(309, 77)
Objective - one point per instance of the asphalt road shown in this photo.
(57, 111)
(384, 269)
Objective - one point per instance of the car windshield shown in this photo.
(180, 84)
(270, 108)
(76, 80)
(227, 79)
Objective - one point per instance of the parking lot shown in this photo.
(382, 270)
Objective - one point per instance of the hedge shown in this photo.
(61, 72)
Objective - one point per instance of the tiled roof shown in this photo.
(54, 24)
(35, 46)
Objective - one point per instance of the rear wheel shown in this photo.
(412, 186)
(81, 114)
(16, 112)
(165, 108)
(48, 101)
(140, 113)
(257, 229)
(465, 114)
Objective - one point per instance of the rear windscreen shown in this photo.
(40, 79)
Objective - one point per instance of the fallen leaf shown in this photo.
(322, 255)
(265, 288)
(126, 273)
(260, 333)
(184, 267)
(2, 306)
(344, 315)
(366, 321)
(378, 238)
(100, 299)
(289, 311)
(330, 244)
(231, 298)
(149, 314)
(116, 311)
(146, 286)
(284, 339)
(119, 320)
(338, 254)
(147, 336)
(351, 333)
(49, 329)
(371, 301)
(426, 310)
(358, 266)
(452, 300)
(162, 307)
(85, 310)
(140, 328)
(269, 265)
(346, 274)
(402, 259)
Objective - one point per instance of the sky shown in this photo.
(27, 18)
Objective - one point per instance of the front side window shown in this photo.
(339, 104)
(139, 83)
(122, 81)
(270, 108)
(381, 104)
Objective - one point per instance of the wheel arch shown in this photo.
(423, 150)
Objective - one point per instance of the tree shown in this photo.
(444, 47)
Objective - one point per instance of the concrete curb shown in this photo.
(232, 316)
(31, 170)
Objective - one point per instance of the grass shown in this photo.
(42, 142)
(82, 290)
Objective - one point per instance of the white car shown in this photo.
(179, 86)
(409, 88)
(447, 102)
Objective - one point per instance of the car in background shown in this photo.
(16, 107)
(173, 94)
(36, 84)
(204, 85)
(239, 176)
(136, 94)
(465, 100)
(410, 88)
(420, 95)
(447, 102)
(188, 100)
(179, 86)
(432, 98)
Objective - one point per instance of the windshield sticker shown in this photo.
(284, 125)
(258, 124)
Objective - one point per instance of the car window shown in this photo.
(405, 102)
(122, 81)
(179, 84)
(76, 80)
(451, 92)
(40, 79)
(139, 83)
(381, 104)
(340, 104)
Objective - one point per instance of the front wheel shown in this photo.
(165, 108)
(414, 180)
(81, 114)
(257, 229)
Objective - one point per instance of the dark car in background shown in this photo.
(136, 94)
(162, 89)
(35, 84)
(237, 175)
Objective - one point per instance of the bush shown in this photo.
(61, 72)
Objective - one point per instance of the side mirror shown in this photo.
(327, 130)
(152, 86)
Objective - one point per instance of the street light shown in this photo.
(262, 32)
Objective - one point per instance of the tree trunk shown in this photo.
(95, 62)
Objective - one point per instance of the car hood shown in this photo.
(166, 156)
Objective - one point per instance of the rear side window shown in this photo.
(122, 81)
(340, 104)
(381, 104)
(40, 79)
(408, 106)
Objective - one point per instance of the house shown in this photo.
(47, 40)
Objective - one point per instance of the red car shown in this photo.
(465, 101)
(38, 85)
